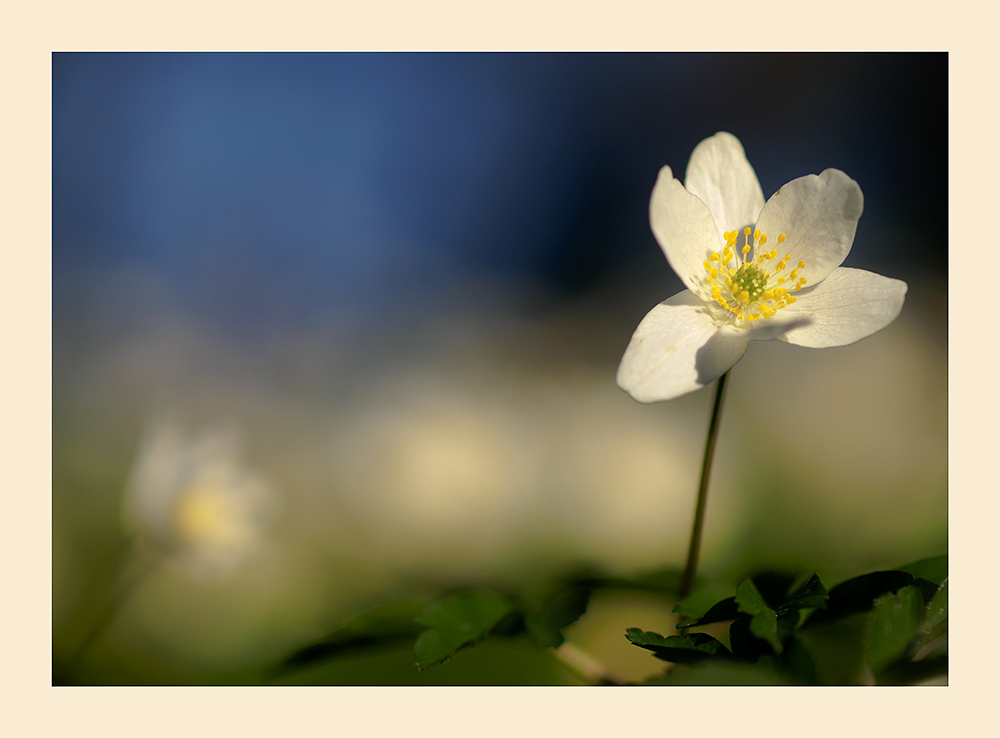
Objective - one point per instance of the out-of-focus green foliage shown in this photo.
(885, 627)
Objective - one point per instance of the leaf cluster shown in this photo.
(886, 627)
(779, 635)
(461, 618)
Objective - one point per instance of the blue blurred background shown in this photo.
(361, 259)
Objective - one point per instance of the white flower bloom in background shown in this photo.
(753, 271)
(192, 497)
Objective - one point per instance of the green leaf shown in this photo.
(937, 609)
(749, 598)
(385, 625)
(775, 627)
(934, 569)
(558, 609)
(797, 662)
(893, 623)
(719, 612)
(811, 594)
(686, 649)
(770, 625)
(858, 595)
(746, 646)
(765, 625)
(456, 621)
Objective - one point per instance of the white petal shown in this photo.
(818, 215)
(677, 349)
(685, 230)
(767, 330)
(720, 175)
(847, 306)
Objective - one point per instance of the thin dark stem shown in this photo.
(706, 468)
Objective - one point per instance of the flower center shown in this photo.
(752, 285)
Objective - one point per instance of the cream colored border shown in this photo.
(965, 29)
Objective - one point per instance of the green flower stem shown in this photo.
(706, 466)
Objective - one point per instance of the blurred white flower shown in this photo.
(193, 498)
(715, 230)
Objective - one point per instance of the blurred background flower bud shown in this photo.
(193, 498)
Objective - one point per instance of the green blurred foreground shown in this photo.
(272, 497)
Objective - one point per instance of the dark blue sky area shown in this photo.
(303, 184)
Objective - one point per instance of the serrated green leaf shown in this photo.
(719, 612)
(686, 649)
(934, 569)
(893, 623)
(811, 594)
(858, 595)
(384, 625)
(456, 621)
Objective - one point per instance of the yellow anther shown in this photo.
(781, 238)
(781, 265)
(707, 265)
(791, 299)
(746, 249)
(794, 274)
(802, 265)
(756, 235)
(763, 238)
(780, 292)
(746, 231)
(787, 257)
(714, 272)
(729, 281)
(743, 297)
(715, 257)
(780, 280)
(802, 280)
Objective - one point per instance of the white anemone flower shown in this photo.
(753, 271)
(193, 499)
